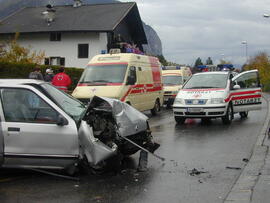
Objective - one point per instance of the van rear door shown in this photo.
(248, 96)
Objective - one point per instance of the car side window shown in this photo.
(22, 105)
(248, 80)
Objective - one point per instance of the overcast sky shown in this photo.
(190, 29)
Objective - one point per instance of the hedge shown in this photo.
(18, 70)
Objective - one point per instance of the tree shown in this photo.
(198, 62)
(13, 52)
(222, 61)
(209, 61)
(162, 60)
(261, 62)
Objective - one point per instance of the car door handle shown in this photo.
(11, 129)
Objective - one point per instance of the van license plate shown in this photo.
(194, 110)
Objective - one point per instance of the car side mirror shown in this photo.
(61, 120)
(236, 87)
(130, 80)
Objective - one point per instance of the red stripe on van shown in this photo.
(247, 97)
(241, 93)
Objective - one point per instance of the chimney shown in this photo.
(49, 14)
(77, 3)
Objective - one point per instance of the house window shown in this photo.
(83, 50)
(55, 61)
(55, 36)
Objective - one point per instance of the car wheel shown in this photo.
(244, 114)
(227, 119)
(179, 120)
(156, 108)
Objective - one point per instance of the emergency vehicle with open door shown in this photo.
(132, 78)
(218, 95)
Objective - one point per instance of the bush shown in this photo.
(19, 70)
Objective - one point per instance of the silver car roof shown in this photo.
(19, 81)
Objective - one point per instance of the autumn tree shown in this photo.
(12, 52)
(260, 62)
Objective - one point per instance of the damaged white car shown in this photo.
(43, 127)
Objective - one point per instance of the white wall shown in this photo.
(67, 47)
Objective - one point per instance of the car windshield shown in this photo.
(202, 81)
(104, 74)
(70, 105)
(172, 80)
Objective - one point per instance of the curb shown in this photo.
(242, 189)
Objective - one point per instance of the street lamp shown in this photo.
(266, 15)
(245, 42)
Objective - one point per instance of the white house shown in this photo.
(71, 35)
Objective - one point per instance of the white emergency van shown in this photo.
(173, 78)
(132, 78)
(218, 94)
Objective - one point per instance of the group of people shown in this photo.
(61, 80)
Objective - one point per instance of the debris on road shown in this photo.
(195, 171)
(231, 167)
(245, 160)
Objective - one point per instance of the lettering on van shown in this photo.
(248, 101)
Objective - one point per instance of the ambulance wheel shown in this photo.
(244, 114)
(156, 108)
(227, 119)
(179, 120)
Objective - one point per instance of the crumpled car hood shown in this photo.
(129, 120)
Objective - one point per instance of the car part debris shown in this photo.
(155, 155)
(231, 167)
(245, 160)
(195, 171)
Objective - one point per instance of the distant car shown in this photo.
(43, 127)
(218, 94)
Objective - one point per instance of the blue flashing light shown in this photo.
(202, 66)
(103, 51)
(164, 68)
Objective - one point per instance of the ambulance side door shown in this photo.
(246, 93)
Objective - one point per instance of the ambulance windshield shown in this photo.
(172, 80)
(202, 81)
(104, 74)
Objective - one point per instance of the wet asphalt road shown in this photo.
(209, 148)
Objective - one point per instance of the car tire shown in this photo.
(244, 114)
(179, 120)
(156, 108)
(227, 119)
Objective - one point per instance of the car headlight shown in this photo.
(217, 100)
(178, 101)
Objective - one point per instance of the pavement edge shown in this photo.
(242, 190)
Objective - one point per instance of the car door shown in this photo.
(1, 141)
(31, 134)
(246, 93)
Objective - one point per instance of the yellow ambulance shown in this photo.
(173, 78)
(132, 78)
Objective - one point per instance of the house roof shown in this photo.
(88, 18)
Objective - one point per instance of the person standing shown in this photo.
(61, 80)
(36, 74)
(49, 75)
